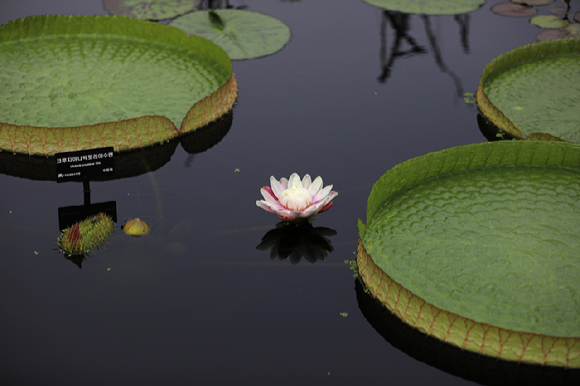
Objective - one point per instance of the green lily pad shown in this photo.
(548, 21)
(533, 88)
(150, 9)
(77, 82)
(439, 7)
(488, 234)
(242, 34)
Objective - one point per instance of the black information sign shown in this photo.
(84, 164)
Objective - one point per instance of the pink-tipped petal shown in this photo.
(331, 196)
(287, 215)
(264, 205)
(271, 198)
(268, 192)
(274, 205)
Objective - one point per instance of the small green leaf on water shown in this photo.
(548, 21)
(36, 253)
(236, 170)
(344, 314)
(108, 269)
(242, 34)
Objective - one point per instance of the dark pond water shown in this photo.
(195, 301)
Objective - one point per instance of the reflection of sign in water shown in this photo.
(89, 164)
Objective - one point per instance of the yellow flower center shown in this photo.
(295, 198)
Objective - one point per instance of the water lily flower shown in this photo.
(293, 198)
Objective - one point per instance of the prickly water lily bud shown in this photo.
(294, 198)
(84, 236)
(136, 227)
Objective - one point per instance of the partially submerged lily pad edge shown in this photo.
(513, 10)
(570, 31)
(520, 109)
(533, 2)
(94, 81)
(546, 341)
(242, 34)
(422, 7)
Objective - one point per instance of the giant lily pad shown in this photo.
(478, 246)
(439, 7)
(150, 9)
(243, 34)
(534, 89)
(78, 82)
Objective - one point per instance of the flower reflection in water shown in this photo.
(295, 241)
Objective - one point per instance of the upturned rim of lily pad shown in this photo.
(135, 131)
(455, 325)
(525, 58)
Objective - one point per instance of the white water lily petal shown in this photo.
(322, 194)
(315, 186)
(294, 181)
(306, 181)
(311, 211)
(277, 188)
(331, 196)
(284, 183)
